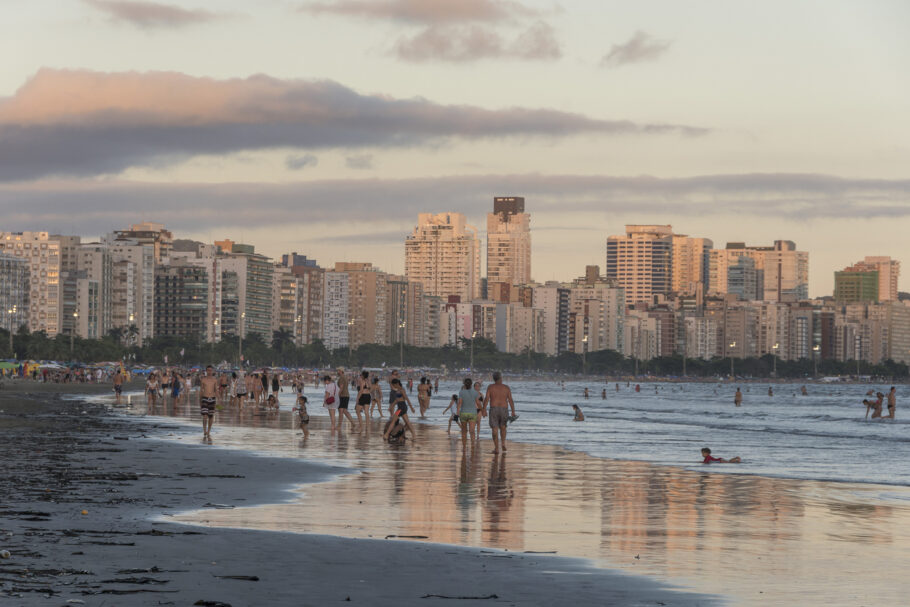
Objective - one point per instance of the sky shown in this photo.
(325, 126)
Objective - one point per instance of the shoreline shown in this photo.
(110, 468)
(679, 518)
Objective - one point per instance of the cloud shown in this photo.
(424, 11)
(152, 14)
(84, 123)
(106, 205)
(361, 162)
(638, 49)
(301, 161)
(458, 44)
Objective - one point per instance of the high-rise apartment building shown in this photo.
(14, 291)
(367, 303)
(888, 272)
(781, 271)
(153, 234)
(312, 281)
(508, 242)
(851, 286)
(255, 289)
(94, 282)
(42, 253)
(443, 255)
(689, 273)
(133, 290)
(181, 300)
(335, 323)
(640, 261)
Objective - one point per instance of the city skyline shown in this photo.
(349, 118)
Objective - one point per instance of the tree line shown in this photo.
(120, 344)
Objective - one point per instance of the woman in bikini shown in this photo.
(423, 396)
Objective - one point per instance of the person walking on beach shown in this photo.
(208, 396)
(375, 396)
(423, 396)
(344, 397)
(468, 399)
(118, 384)
(392, 377)
(499, 399)
(452, 412)
(330, 399)
(481, 411)
(151, 390)
(364, 396)
(304, 417)
(738, 398)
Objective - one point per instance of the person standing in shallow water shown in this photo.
(497, 403)
(208, 396)
(738, 398)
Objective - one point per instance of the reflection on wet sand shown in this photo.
(755, 539)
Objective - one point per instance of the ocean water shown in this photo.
(822, 436)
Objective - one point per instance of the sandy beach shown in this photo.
(88, 495)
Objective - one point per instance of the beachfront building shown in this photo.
(689, 264)
(181, 300)
(133, 289)
(640, 261)
(42, 254)
(368, 296)
(312, 280)
(255, 287)
(93, 287)
(335, 322)
(443, 255)
(552, 299)
(148, 233)
(856, 289)
(852, 286)
(781, 272)
(508, 242)
(14, 291)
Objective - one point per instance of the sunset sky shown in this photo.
(324, 127)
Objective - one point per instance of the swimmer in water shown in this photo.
(706, 454)
(579, 416)
(738, 398)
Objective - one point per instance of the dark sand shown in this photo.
(63, 457)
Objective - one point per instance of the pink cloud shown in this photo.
(152, 14)
(424, 11)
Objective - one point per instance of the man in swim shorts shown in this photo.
(499, 399)
(208, 396)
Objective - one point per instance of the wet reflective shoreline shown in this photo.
(752, 538)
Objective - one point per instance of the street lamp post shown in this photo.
(584, 355)
(473, 335)
(240, 337)
(9, 316)
(214, 335)
(72, 333)
(774, 354)
(732, 345)
(401, 327)
(815, 350)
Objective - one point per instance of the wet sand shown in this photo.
(753, 539)
(85, 515)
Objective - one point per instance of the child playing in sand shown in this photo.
(304, 416)
(454, 415)
(706, 453)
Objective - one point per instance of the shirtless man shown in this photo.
(118, 385)
(738, 398)
(892, 402)
(497, 403)
(208, 396)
